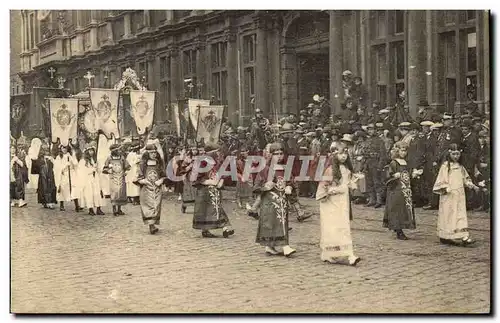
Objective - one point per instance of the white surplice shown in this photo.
(133, 159)
(336, 240)
(452, 215)
(91, 186)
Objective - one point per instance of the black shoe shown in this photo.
(378, 205)
(99, 211)
(208, 234)
(301, 218)
(153, 229)
(91, 211)
(402, 236)
(227, 233)
(61, 208)
(183, 209)
(120, 212)
(370, 204)
(254, 215)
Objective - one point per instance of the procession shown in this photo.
(252, 151)
(376, 157)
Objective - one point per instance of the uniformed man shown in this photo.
(375, 162)
(433, 159)
(471, 153)
(484, 169)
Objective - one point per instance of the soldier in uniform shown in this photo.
(484, 169)
(376, 159)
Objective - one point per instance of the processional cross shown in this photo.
(190, 86)
(60, 81)
(89, 76)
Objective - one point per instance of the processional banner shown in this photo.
(39, 116)
(63, 119)
(142, 104)
(105, 106)
(19, 106)
(209, 123)
(194, 107)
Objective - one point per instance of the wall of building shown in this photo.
(16, 84)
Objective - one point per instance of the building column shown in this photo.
(336, 54)
(93, 17)
(174, 75)
(170, 16)
(262, 68)
(485, 16)
(201, 77)
(416, 89)
(109, 30)
(289, 90)
(127, 27)
(234, 109)
(147, 19)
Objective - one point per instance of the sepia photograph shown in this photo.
(250, 161)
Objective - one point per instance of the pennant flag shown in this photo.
(142, 108)
(39, 116)
(19, 106)
(194, 107)
(64, 119)
(105, 105)
(209, 123)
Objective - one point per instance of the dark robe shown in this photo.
(18, 187)
(399, 213)
(46, 191)
(416, 160)
(150, 194)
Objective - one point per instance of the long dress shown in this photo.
(208, 211)
(46, 188)
(19, 179)
(399, 213)
(244, 190)
(452, 215)
(133, 160)
(151, 195)
(188, 190)
(91, 184)
(274, 208)
(335, 214)
(66, 178)
(116, 168)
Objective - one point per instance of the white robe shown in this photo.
(91, 186)
(66, 171)
(452, 215)
(336, 240)
(132, 189)
(103, 153)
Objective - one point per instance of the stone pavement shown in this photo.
(65, 262)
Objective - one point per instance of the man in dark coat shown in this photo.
(376, 159)
(44, 167)
(484, 176)
(416, 162)
(432, 158)
(471, 153)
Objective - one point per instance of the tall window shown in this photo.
(218, 83)
(118, 28)
(32, 31)
(381, 24)
(137, 21)
(248, 73)
(163, 67)
(400, 60)
(399, 21)
(471, 52)
(189, 72)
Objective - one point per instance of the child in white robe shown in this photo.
(335, 208)
(90, 179)
(452, 216)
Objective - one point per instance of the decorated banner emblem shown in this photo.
(64, 117)
(194, 110)
(209, 123)
(105, 107)
(142, 109)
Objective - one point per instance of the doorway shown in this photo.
(313, 77)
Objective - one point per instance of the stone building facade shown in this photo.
(273, 60)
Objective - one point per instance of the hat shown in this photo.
(258, 110)
(319, 129)
(447, 116)
(347, 137)
(360, 133)
(423, 103)
(436, 125)
(404, 124)
(426, 123)
(370, 125)
(383, 111)
(346, 72)
(114, 147)
(151, 148)
(465, 116)
(310, 105)
(467, 123)
(327, 128)
(379, 125)
(299, 130)
(311, 133)
(91, 145)
(303, 148)
(302, 124)
(240, 128)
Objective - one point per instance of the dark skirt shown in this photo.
(273, 220)
(188, 192)
(17, 190)
(208, 211)
(399, 213)
(244, 190)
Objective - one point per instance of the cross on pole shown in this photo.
(190, 86)
(60, 81)
(51, 71)
(89, 76)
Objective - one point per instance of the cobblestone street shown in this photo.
(75, 263)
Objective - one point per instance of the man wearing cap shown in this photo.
(433, 159)
(416, 162)
(384, 117)
(471, 154)
(376, 159)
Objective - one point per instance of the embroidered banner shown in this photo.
(194, 105)
(19, 106)
(39, 115)
(142, 109)
(105, 105)
(63, 119)
(209, 123)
